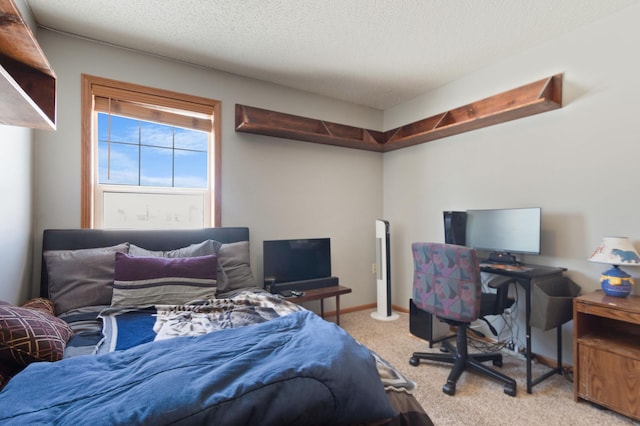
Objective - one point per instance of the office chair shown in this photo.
(447, 284)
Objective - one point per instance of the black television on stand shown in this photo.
(297, 265)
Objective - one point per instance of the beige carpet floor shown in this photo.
(478, 400)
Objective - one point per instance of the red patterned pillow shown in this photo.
(41, 304)
(31, 335)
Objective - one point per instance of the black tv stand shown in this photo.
(300, 285)
(502, 257)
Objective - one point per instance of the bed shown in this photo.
(169, 327)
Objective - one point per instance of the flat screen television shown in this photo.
(296, 260)
(504, 231)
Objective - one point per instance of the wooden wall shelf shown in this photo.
(534, 98)
(271, 123)
(27, 81)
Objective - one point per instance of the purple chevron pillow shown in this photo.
(146, 281)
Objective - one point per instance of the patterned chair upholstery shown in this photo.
(447, 284)
(445, 279)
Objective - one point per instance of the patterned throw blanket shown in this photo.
(217, 314)
(126, 327)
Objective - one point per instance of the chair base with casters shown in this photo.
(462, 360)
(448, 284)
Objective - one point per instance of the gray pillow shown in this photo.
(235, 273)
(204, 248)
(81, 277)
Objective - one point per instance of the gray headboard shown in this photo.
(73, 239)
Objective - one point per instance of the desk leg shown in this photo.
(322, 308)
(526, 283)
(559, 343)
(338, 309)
(528, 333)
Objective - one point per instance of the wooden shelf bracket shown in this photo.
(27, 81)
(530, 99)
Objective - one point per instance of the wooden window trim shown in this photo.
(90, 84)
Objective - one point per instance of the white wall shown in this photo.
(279, 188)
(16, 180)
(16, 214)
(579, 163)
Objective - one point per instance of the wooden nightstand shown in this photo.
(606, 346)
(321, 294)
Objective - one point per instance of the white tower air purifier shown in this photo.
(383, 272)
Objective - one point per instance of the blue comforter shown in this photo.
(293, 370)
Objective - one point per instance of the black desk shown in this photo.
(525, 275)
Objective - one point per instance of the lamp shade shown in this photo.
(615, 251)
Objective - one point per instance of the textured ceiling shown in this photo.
(372, 52)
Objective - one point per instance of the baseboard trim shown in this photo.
(364, 308)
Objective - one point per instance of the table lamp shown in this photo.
(616, 251)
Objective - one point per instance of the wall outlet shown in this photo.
(374, 268)
(511, 348)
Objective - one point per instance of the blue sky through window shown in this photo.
(136, 152)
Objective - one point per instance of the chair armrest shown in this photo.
(495, 281)
(498, 286)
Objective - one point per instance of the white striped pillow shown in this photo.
(145, 281)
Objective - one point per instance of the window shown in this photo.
(150, 157)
